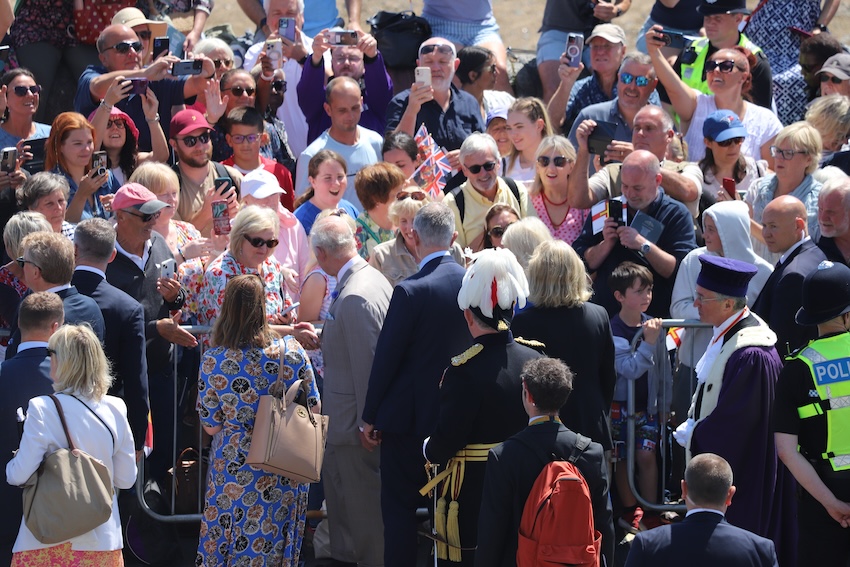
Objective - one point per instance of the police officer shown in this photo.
(812, 409)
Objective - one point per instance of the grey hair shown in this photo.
(94, 239)
(835, 181)
(478, 143)
(210, 44)
(40, 185)
(435, 225)
(334, 236)
(639, 58)
(267, 2)
(20, 225)
(738, 303)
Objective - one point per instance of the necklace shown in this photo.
(554, 204)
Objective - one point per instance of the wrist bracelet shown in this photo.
(152, 120)
(105, 104)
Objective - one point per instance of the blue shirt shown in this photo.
(108, 188)
(450, 128)
(588, 91)
(307, 213)
(8, 140)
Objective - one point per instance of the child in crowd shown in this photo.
(650, 370)
(326, 173)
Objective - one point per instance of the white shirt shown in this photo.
(431, 256)
(31, 344)
(794, 247)
(139, 261)
(705, 363)
(348, 265)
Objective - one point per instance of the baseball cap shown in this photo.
(722, 125)
(260, 184)
(186, 121)
(610, 32)
(838, 66)
(139, 197)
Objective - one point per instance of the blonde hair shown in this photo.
(251, 218)
(524, 236)
(802, 137)
(533, 109)
(20, 225)
(557, 276)
(830, 115)
(407, 207)
(80, 365)
(549, 143)
(156, 177)
(242, 320)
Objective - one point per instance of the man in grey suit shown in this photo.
(350, 471)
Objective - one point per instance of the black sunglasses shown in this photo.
(146, 218)
(226, 63)
(144, 35)
(724, 66)
(237, 91)
(729, 142)
(498, 231)
(559, 161)
(415, 195)
(21, 90)
(476, 169)
(278, 86)
(21, 261)
(823, 79)
(123, 47)
(115, 122)
(190, 141)
(50, 351)
(258, 242)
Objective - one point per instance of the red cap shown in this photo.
(187, 121)
(136, 196)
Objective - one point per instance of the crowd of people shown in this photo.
(514, 306)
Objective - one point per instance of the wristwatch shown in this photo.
(822, 27)
(644, 248)
(619, 12)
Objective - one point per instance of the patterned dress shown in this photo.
(251, 517)
(570, 227)
(369, 235)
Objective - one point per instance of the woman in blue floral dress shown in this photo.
(251, 517)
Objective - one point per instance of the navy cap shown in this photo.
(725, 276)
(712, 7)
(826, 294)
(722, 125)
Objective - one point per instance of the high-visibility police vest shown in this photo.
(692, 73)
(828, 360)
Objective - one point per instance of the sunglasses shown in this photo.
(124, 47)
(498, 231)
(415, 195)
(258, 242)
(278, 86)
(442, 48)
(50, 352)
(21, 90)
(21, 261)
(627, 78)
(237, 91)
(147, 217)
(119, 122)
(250, 138)
(226, 63)
(144, 35)
(823, 79)
(190, 141)
(724, 66)
(559, 161)
(786, 154)
(729, 142)
(476, 169)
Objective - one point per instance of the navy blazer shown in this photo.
(423, 329)
(124, 345)
(703, 539)
(22, 377)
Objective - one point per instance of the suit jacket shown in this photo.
(782, 295)
(512, 468)
(423, 329)
(25, 376)
(703, 539)
(349, 337)
(124, 345)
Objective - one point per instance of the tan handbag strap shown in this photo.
(71, 445)
(293, 390)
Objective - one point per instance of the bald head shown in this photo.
(642, 159)
(784, 223)
(640, 179)
(708, 482)
(111, 57)
(341, 86)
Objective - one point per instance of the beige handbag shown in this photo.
(288, 438)
(70, 493)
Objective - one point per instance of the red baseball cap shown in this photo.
(187, 121)
(139, 197)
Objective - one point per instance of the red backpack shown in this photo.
(557, 528)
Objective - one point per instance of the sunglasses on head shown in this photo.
(498, 231)
(190, 141)
(559, 161)
(627, 78)
(476, 169)
(258, 242)
(21, 261)
(124, 47)
(823, 79)
(278, 86)
(144, 35)
(22, 90)
(415, 195)
(119, 122)
(226, 63)
(146, 217)
(239, 139)
(724, 66)
(729, 142)
(50, 352)
(442, 48)
(237, 91)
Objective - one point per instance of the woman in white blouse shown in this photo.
(81, 377)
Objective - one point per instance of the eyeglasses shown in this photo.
(21, 261)
(786, 154)
(22, 90)
(559, 161)
(703, 299)
(226, 63)
(491, 67)
(237, 91)
(724, 66)
(124, 47)
(415, 195)
(498, 231)
(341, 58)
(250, 138)
(119, 122)
(476, 169)
(190, 141)
(144, 35)
(278, 86)
(823, 79)
(627, 78)
(258, 242)
(146, 218)
(50, 352)
(729, 142)
(443, 48)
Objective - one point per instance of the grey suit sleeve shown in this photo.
(362, 321)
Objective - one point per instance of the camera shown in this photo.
(342, 37)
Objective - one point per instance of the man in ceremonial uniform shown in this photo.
(731, 413)
(812, 412)
(480, 399)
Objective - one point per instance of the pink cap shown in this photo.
(139, 197)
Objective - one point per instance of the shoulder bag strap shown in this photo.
(109, 429)
(582, 443)
(71, 445)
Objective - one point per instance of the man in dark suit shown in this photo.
(784, 230)
(422, 330)
(24, 376)
(47, 260)
(704, 538)
(124, 344)
(513, 466)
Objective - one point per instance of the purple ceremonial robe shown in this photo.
(740, 430)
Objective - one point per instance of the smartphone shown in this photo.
(35, 164)
(168, 269)
(187, 67)
(139, 87)
(218, 181)
(292, 307)
(342, 37)
(601, 137)
(730, 187)
(286, 28)
(221, 217)
(160, 46)
(8, 161)
(673, 40)
(616, 211)
(422, 75)
(274, 51)
(98, 163)
(575, 45)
